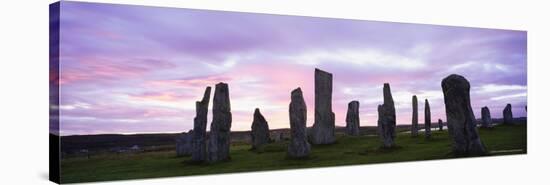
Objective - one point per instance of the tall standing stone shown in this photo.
(486, 120)
(427, 119)
(198, 153)
(260, 130)
(440, 124)
(322, 131)
(507, 116)
(460, 117)
(382, 130)
(298, 146)
(414, 124)
(386, 118)
(352, 118)
(184, 144)
(220, 128)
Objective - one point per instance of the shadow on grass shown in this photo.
(305, 158)
(384, 150)
(204, 163)
(381, 150)
(487, 128)
(452, 154)
(270, 148)
(324, 145)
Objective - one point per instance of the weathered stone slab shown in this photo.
(486, 120)
(220, 128)
(184, 144)
(298, 146)
(322, 131)
(414, 124)
(427, 119)
(460, 117)
(386, 118)
(352, 118)
(260, 130)
(198, 153)
(507, 116)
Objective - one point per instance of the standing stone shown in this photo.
(381, 126)
(260, 130)
(198, 153)
(507, 116)
(414, 125)
(220, 128)
(184, 144)
(486, 121)
(440, 124)
(352, 118)
(427, 119)
(298, 146)
(386, 118)
(383, 133)
(323, 127)
(460, 117)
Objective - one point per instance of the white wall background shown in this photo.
(24, 91)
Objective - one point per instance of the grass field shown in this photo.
(500, 140)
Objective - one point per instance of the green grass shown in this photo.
(503, 140)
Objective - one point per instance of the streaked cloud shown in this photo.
(365, 58)
(137, 69)
(491, 88)
(519, 95)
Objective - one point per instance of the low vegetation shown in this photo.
(500, 140)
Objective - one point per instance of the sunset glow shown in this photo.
(136, 69)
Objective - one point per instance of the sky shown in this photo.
(136, 69)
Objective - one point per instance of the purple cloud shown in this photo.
(133, 69)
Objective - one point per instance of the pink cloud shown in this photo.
(109, 35)
(166, 96)
(115, 111)
(131, 64)
(190, 82)
(103, 69)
